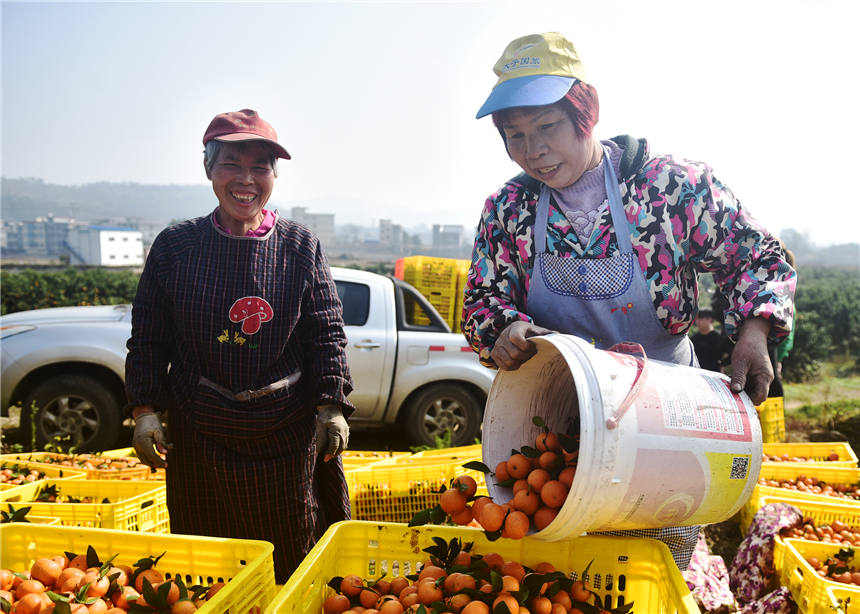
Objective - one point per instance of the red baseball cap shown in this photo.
(244, 125)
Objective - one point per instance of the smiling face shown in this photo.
(243, 178)
(545, 143)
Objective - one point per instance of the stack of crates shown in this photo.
(440, 280)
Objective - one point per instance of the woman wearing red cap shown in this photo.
(237, 330)
(604, 239)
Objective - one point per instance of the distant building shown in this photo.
(391, 234)
(105, 246)
(41, 237)
(447, 237)
(321, 223)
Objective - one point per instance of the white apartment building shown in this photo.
(105, 246)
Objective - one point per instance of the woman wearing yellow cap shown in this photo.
(604, 239)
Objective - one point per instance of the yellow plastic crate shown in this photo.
(808, 589)
(134, 506)
(37, 459)
(644, 567)
(771, 414)
(460, 451)
(244, 565)
(819, 513)
(395, 490)
(53, 472)
(158, 474)
(817, 452)
(462, 272)
(782, 471)
(436, 279)
(838, 596)
(356, 459)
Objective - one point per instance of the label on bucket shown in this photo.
(702, 407)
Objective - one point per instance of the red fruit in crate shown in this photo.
(537, 478)
(553, 494)
(492, 517)
(335, 604)
(351, 585)
(544, 517)
(466, 485)
(452, 501)
(519, 466)
(502, 474)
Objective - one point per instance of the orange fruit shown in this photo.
(514, 569)
(566, 476)
(451, 582)
(544, 517)
(69, 579)
(547, 441)
(382, 586)
(465, 485)
(428, 592)
(368, 598)
(79, 562)
(410, 599)
(570, 458)
(124, 597)
(431, 571)
(98, 587)
(153, 575)
(526, 501)
(510, 584)
(537, 478)
(409, 590)
(540, 605)
(579, 592)
(458, 601)
(336, 604)
(185, 606)
(509, 601)
(553, 494)
(99, 607)
(61, 560)
(391, 607)
(465, 582)
(494, 561)
(476, 607)
(398, 584)
(478, 503)
(463, 518)
(520, 485)
(557, 608)
(31, 603)
(519, 467)
(502, 472)
(549, 461)
(492, 517)
(351, 585)
(452, 501)
(116, 610)
(173, 593)
(562, 598)
(29, 586)
(464, 558)
(544, 568)
(6, 578)
(517, 525)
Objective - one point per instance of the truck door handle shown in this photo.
(368, 344)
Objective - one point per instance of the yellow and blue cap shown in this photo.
(534, 70)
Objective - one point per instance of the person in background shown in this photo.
(712, 348)
(237, 330)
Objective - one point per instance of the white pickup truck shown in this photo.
(406, 365)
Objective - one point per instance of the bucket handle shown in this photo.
(628, 347)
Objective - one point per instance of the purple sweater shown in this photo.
(583, 201)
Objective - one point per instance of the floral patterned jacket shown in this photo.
(683, 221)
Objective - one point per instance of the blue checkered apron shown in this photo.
(606, 301)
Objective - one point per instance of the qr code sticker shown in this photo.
(740, 468)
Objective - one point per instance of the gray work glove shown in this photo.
(150, 442)
(332, 432)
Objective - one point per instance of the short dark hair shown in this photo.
(705, 313)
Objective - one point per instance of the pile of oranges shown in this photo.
(785, 458)
(540, 479)
(82, 584)
(90, 462)
(14, 475)
(455, 581)
(834, 533)
(837, 568)
(814, 486)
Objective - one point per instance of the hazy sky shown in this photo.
(376, 101)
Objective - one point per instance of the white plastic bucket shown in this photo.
(684, 451)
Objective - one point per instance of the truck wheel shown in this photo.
(440, 408)
(74, 406)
